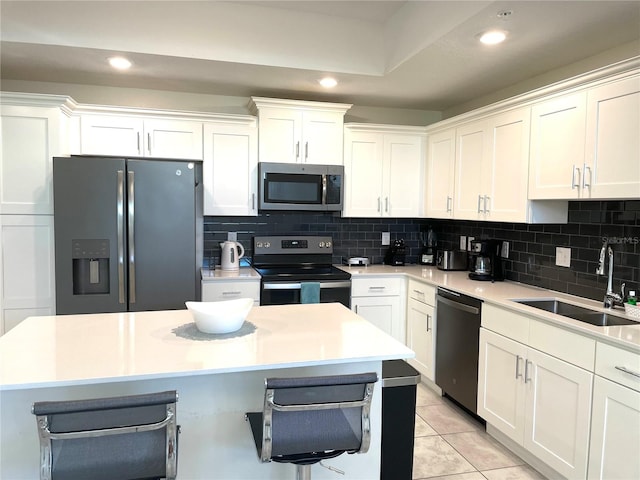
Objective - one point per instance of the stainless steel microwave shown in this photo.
(294, 186)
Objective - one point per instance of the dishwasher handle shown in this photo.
(458, 305)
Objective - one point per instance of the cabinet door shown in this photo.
(403, 176)
(506, 171)
(558, 411)
(501, 392)
(280, 135)
(557, 147)
(420, 323)
(471, 142)
(615, 432)
(322, 138)
(441, 154)
(29, 139)
(111, 135)
(612, 167)
(27, 277)
(230, 170)
(383, 312)
(215, 291)
(173, 139)
(363, 175)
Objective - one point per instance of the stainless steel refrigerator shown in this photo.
(128, 234)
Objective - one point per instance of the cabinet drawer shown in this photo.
(375, 287)
(618, 365)
(506, 322)
(563, 344)
(422, 292)
(217, 291)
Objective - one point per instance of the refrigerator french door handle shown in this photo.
(131, 235)
(120, 227)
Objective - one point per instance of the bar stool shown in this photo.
(309, 419)
(127, 437)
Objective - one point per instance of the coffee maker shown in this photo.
(485, 261)
(396, 253)
(429, 245)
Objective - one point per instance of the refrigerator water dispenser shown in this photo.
(90, 266)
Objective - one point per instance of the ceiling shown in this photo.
(405, 54)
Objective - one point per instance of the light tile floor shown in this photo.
(450, 444)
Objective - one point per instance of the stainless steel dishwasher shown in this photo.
(457, 338)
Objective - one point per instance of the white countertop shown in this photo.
(101, 348)
(219, 275)
(502, 294)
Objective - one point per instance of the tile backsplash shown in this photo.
(532, 247)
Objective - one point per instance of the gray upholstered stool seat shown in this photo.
(130, 437)
(308, 419)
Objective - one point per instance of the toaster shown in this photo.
(452, 260)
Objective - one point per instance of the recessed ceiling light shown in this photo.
(493, 37)
(328, 82)
(119, 63)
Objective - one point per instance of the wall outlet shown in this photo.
(232, 236)
(463, 242)
(563, 257)
(505, 250)
(386, 238)
(469, 240)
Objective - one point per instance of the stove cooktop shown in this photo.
(316, 273)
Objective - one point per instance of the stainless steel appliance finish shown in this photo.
(457, 340)
(451, 260)
(292, 186)
(285, 263)
(126, 234)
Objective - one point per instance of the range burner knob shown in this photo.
(267, 244)
(259, 244)
(321, 244)
(328, 244)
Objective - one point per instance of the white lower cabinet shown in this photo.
(27, 276)
(421, 327)
(541, 402)
(379, 301)
(217, 290)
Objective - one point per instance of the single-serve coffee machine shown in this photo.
(485, 261)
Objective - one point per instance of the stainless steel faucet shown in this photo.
(611, 298)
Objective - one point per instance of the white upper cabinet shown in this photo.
(230, 169)
(299, 132)
(441, 157)
(557, 147)
(612, 162)
(140, 137)
(384, 171)
(491, 168)
(30, 137)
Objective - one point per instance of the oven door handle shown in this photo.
(458, 305)
(298, 285)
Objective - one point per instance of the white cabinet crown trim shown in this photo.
(257, 103)
(383, 128)
(65, 103)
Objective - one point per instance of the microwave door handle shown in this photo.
(324, 189)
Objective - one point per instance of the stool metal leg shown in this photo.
(303, 472)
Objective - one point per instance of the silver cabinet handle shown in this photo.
(297, 150)
(253, 201)
(449, 203)
(526, 370)
(356, 308)
(626, 370)
(120, 228)
(377, 288)
(131, 233)
(584, 176)
(386, 204)
(479, 200)
(379, 204)
(518, 374)
(149, 143)
(306, 151)
(487, 200)
(138, 142)
(419, 292)
(428, 318)
(574, 183)
(232, 293)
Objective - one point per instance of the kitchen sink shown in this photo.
(601, 319)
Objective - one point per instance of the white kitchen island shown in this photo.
(218, 378)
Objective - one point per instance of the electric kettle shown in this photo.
(230, 255)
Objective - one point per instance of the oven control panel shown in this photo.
(292, 245)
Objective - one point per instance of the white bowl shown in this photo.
(220, 317)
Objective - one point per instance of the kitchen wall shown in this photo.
(532, 247)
